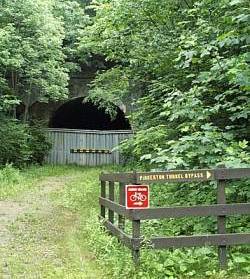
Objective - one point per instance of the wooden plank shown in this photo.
(65, 139)
(117, 177)
(221, 223)
(115, 144)
(90, 150)
(190, 211)
(136, 235)
(87, 144)
(72, 142)
(120, 209)
(176, 212)
(92, 146)
(122, 236)
(99, 145)
(121, 219)
(67, 144)
(57, 147)
(65, 147)
(175, 176)
(237, 173)
(193, 175)
(60, 143)
(81, 141)
(103, 196)
(201, 240)
(111, 198)
(107, 143)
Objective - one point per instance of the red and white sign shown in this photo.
(137, 196)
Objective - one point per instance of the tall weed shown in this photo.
(10, 177)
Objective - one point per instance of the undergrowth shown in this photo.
(14, 182)
(80, 196)
(115, 259)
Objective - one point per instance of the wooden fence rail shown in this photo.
(222, 239)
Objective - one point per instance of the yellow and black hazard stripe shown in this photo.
(87, 150)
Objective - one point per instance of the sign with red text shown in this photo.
(137, 196)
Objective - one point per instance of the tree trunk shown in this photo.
(26, 113)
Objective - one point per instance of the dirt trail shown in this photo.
(35, 201)
(10, 210)
(37, 236)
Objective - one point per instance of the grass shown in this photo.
(60, 235)
(47, 247)
(46, 242)
(82, 196)
(14, 182)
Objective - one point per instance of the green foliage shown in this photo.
(11, 181)
(74, 21)
(81, 195)
(21, 144)
(14, 182)
(14, 143)
(38, 143)
(31, 56)
(37, 50)
(78, 199)
(183, 66)
(186, 65)
(114, 85)
(10, 176)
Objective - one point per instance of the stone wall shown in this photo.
(78, 87)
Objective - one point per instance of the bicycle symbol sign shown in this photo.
(137, 196)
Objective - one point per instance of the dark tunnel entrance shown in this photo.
(78, 114)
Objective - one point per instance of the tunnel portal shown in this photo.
(81, 114)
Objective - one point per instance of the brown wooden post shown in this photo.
(111, 197)
(221, 223)
(121, 219)
(136, 225)
(136, 228)
(103, 195)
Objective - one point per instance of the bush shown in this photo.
(14, 143)
(21, 144)
(10, 176)
(38, 143)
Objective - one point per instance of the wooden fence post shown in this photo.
(121, 219)
(103, 195)
(220, 209)
(136, 234)
(111, 197)
(136, 228)
(221, 223)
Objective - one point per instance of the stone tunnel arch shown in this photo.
(81, 114)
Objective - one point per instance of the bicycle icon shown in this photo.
(138, 197)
